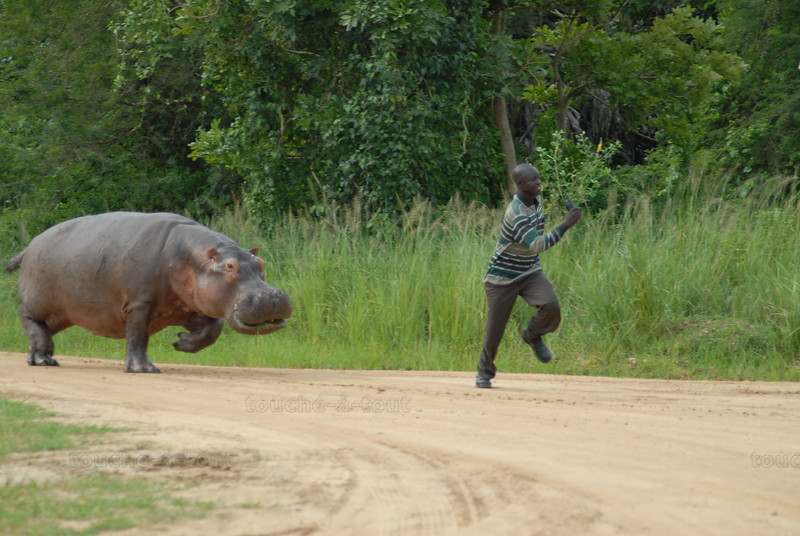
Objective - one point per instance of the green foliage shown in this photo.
(51, 94)
(379, 102)
(708, 266)
(758, 123)
(72, 144)
(658, 81)
(191, 106)
(581, 170)
(660, 176)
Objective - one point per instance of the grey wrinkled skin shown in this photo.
(129, 275)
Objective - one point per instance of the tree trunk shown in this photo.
(506, 141)
(501, 117)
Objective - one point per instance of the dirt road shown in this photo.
(394, 452)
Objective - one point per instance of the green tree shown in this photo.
(182, 106)
(53, 93)
(656, 82)
(381, 100)
(71, 143)
(758, 122)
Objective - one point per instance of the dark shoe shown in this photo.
(542, 352)
(483, 383)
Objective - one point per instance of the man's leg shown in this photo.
(500, 299)
(539, 292)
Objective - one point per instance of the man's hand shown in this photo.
(573, 216)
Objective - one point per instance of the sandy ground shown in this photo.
(394, 452)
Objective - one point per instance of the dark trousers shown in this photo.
(538, 292)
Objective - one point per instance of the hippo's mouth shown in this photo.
(254, 326)
(274, 324)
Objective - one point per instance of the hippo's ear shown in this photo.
(211, 254)
(254, 251)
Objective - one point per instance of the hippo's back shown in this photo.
(95, 244)
(95, 265)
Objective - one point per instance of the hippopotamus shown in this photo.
(130, 275)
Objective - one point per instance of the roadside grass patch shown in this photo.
(90, 505)
(82, 505)
(29, 428)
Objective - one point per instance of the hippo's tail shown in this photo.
(16, 262)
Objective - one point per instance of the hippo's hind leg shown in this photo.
(137, 336)
(203, 332)
(40, 339)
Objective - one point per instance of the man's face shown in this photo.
(530, 183)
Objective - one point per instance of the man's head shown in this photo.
(526, 177)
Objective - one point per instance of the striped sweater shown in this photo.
(522, 238)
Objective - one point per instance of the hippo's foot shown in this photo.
(188, 342)
(146, 367)
(203, 332)
(40, 359)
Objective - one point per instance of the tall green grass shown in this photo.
(703, 288)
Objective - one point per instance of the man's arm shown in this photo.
(537, 242)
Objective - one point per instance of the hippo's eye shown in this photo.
(229, 266)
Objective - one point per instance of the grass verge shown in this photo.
(82, 505)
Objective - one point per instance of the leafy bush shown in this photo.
(580, 170)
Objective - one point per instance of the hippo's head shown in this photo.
(229, 283)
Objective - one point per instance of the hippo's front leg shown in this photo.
(203, 332)
(137, 335)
